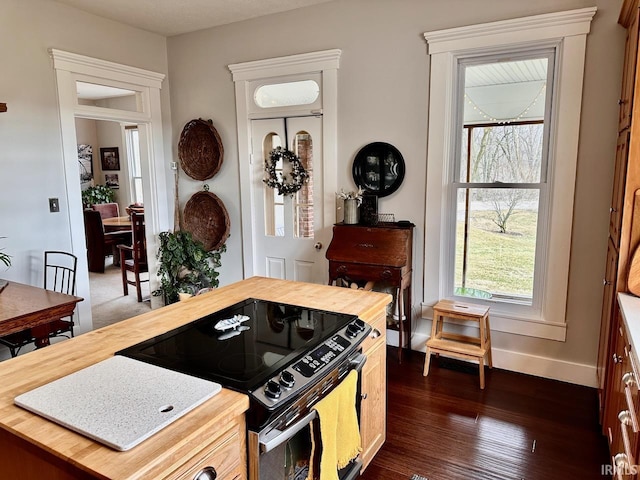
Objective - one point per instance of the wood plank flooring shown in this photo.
(443, 427)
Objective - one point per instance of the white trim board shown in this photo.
(554, 369)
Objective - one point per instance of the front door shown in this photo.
(287, 229)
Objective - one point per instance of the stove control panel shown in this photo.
(310, 367)
(321, 356)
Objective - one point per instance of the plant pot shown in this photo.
(351, 212)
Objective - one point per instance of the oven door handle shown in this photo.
(277, 437)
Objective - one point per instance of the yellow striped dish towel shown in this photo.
(339, 429)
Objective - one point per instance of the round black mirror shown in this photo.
(378, 169)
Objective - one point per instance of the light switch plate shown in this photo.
(54, 205)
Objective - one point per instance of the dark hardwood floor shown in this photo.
(443, 427)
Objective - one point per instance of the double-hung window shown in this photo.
(499, 183)
(504, 117)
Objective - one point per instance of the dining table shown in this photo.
(114, 224)
(25, 307)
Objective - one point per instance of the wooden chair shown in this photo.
(107, 210)
(59, 276)
(133, 258)
(99, 243)
(460, 346)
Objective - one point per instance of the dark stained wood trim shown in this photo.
(3, 107)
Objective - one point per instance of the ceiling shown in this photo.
(173, 17)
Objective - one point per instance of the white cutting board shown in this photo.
(118, 402)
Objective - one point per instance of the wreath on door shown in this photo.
(286, 184)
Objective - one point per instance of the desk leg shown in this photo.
(41, 334)
(400, 303)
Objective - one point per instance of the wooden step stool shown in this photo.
(455, 345)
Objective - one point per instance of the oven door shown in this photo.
(286, 454)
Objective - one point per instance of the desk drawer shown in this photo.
(355, 271)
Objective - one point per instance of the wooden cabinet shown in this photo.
(214, 438)
(623, 410)
(624, 232)
(629, 19)
(224, 457)
(380, 254)
(373, 408)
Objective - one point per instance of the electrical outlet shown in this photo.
(54, 205)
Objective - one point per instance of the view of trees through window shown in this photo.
(497, 209)
(500, 175)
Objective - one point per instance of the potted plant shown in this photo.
(185, 266)
(98, 194)
(5, 257)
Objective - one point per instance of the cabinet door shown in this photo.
(617, 195)
(613, 400)
(607, 341)
(374, 401)
(222, 459)
(629, 72)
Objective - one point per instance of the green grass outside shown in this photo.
(499, 262)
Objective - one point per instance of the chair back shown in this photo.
(107, 210)
(60, 271)
(139, 239)
(94, 236)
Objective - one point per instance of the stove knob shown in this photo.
(287, 379)
(272, 389)
(352, 330)
(359, 324)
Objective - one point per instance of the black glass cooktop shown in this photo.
(243, 345)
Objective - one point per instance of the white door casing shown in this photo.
(245, 75)
(69, 68)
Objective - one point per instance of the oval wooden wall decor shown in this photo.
(200, 149)
(207, 219)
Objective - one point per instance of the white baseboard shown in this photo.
(554, 369)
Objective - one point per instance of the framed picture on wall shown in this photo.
(111, 179)
(85, 160)
(110, 158)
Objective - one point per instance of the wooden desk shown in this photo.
(25, 306)
(381, 254)
(116, 223)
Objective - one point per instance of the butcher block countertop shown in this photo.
(159, 456)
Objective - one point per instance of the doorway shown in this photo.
(73, 71)
(108, 303)
(299, 88)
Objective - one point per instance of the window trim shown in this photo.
(567, 32)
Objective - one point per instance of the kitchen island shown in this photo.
(212, 434)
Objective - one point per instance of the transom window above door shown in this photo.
(286, 96)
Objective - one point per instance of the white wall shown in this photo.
(31, 154)
(383, 87)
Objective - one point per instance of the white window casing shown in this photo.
(566, 32)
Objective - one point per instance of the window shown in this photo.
(500, 177)
(287, 94)
(135, 171)
(496, 166)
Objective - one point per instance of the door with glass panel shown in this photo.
(287, 229)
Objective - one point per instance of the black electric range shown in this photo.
(271, 351)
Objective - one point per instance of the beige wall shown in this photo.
(383, 87)
(31, 154)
